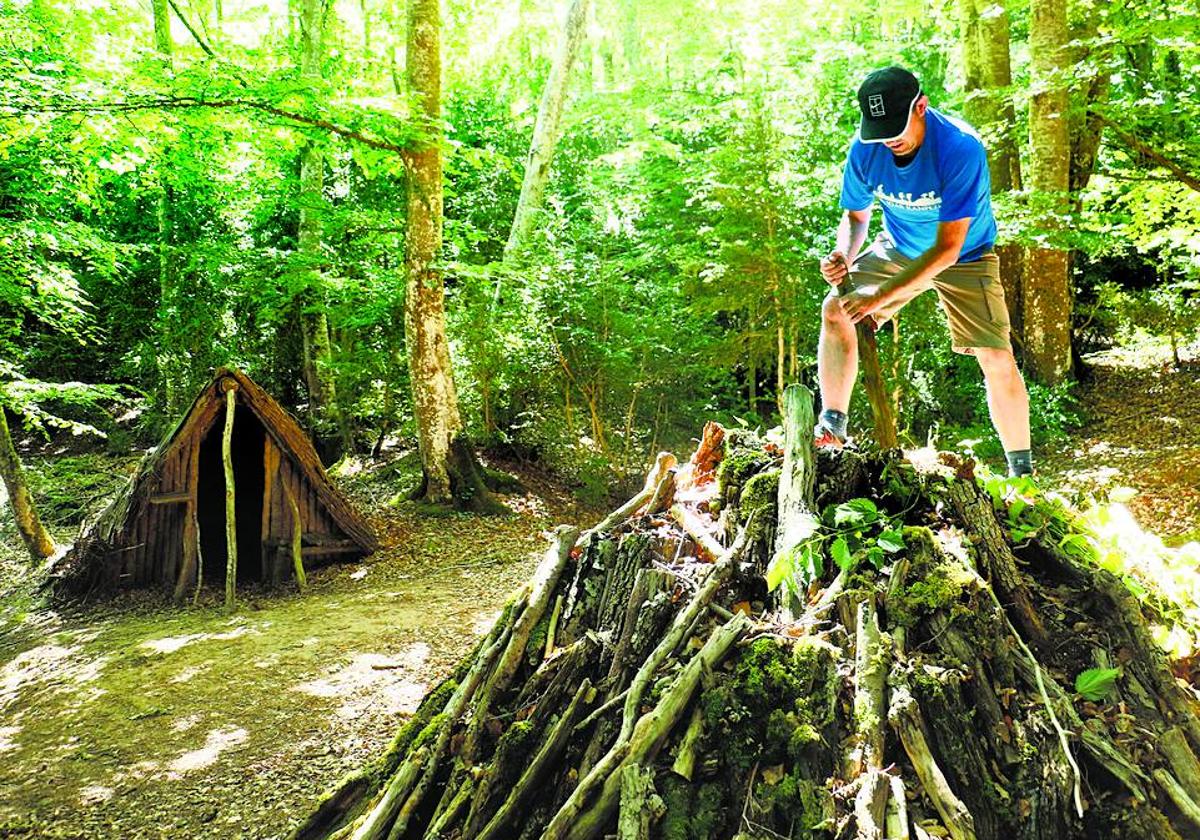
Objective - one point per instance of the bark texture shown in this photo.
(987, 65)
(1047, 295)
(644, 684)
(451, 474)
(546, 129)
(330, 429)
(37, 538)
(231, 558)
(168, 362)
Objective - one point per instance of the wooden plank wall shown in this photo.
(155, 549)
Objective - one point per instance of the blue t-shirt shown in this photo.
(947, 180)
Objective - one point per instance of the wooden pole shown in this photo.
(297, 554)
(191, 527)
(877, 394)
(230, 388)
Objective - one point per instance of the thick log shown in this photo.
(905, 717)
(870, 713)
(974, 509)
(797, 517)
(640, 804)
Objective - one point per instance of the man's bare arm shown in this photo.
(851, 233)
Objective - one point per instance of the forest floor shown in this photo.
(1142, 433)
(137, 720)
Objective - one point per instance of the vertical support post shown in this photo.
(191, 529)
(230, 388)
(297, 554)
(270, 468)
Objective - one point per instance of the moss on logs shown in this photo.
(901, 695)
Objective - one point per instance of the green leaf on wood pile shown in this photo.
(1095, 683)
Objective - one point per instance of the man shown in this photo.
(929, 173)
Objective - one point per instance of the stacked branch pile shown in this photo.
(912, 678)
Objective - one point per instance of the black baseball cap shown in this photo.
(886, 98)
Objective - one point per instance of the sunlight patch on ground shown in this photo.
(185, 723)
(484, 622)
(51, 664)
(373, 678)
(174, 643)
(189, 672)
(217, 742)
(6, 738)
(95, 794)
(134, 772)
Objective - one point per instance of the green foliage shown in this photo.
(854, 531)
(1105, 534)
(693, 189)
(1096, 684)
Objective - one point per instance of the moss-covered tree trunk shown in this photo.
(331, 431)
(450, 471)
(644, 684)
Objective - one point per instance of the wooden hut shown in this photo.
(170, 526)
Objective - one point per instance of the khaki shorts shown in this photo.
(970, 293)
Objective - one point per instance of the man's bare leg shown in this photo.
(837, 356)
(1008, 401)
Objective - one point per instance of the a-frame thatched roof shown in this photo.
(151, 514)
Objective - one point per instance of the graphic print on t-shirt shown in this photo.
(926, 201)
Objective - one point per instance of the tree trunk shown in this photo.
(1085, 125)
(330, 428)
(662, 695)
(985, 53)
(546, 128)
(451, 473)
(986, 62)
(37, 538)
(1047, 300)
(168, 362)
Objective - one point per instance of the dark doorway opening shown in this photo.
(249, 480)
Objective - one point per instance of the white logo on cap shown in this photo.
(875, 102)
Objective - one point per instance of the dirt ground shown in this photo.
(136, 720)
(1143, 433)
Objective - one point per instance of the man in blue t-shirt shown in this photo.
(929, 173)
